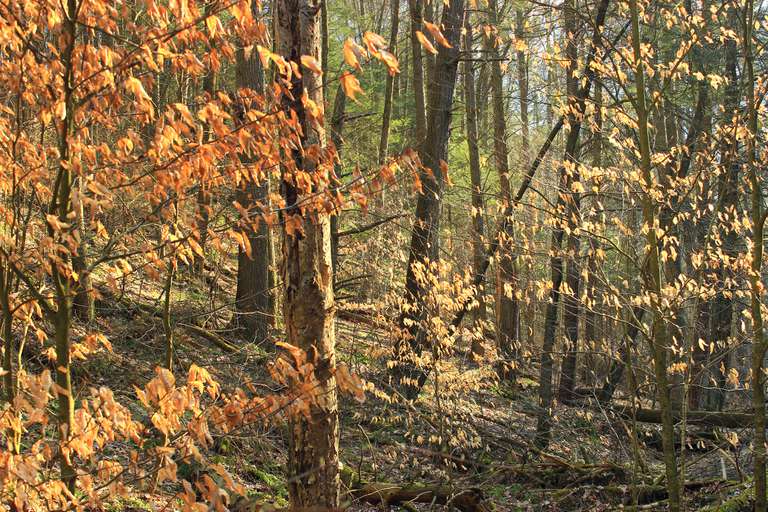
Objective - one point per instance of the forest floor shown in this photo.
(468, 435)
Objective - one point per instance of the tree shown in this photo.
(567, 208)
(571, 299)
(313, 463)
(389, 90)
(478, 205)
(652, 275)
(508, 307)
(416, 10)
(254, 307)
(425, 236)
(759, 347)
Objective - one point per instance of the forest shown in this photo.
(417, 255)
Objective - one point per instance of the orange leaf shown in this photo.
(437, 34)
(211, 22)
(352, 53)
(425, 42)
(351, 85)
(134, 86)
(310, 62)
(390, 61)
(374, 42)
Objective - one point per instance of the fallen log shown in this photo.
(387, 494)
(705, 418)
(644, 493)
(212, 337)
(469, 500)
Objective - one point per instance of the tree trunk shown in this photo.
(719, 310)
(653, 275)
(389, 87)
(543, 425)
(420, 112)
(83, 305)
(593, 263)
(63, 284)
(425, 237)
(254, 306)
(337, 138)
(203, 193)
(568, 202)
(755, 276)
(313, 457)
(10, 351)
(478, 205)
(571, 301)
(522, 85)
(706, 418)
(508, 307)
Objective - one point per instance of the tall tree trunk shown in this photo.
(653, 274)
(571, 300)
(478, 205)
(204, 193)
(590, 311)
(254, 305)
(563, 209)
(337, 138)
(61, 207)
(508, 308)
(544, 419)
(528, 314)
(718, 311)
(522, 85)
(84, 304)
(10, 351)
(755, 276)
(420, 111)
(313, 457)
(389, 95)
(425, 237)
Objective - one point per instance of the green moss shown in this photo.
(130, 503)
(741, 502)
(265, 475)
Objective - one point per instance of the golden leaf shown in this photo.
(351, 85)
(311, 63)
(425, 42)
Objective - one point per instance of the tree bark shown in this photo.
(653, 276)
(420, 112)
(755, 276)
(571, 300)
(313, 456)
(204, 193)
(389, 87)
(478, 205)
(425, 237)
(337, 138)
(508, 307)
(254, 305)
(63, 283)
(719, 310)
(593, 263)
